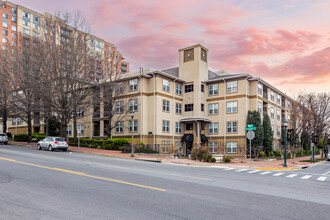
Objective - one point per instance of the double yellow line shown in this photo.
(82, 174)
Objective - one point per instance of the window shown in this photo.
(120, 127)
(80, 129)
(189, 107)
(46, 27)
(231, 107)
(4, 40)
(178, 108)
(133, 105)
(92, 43)
(166, 126)
(135, 126)
(273, 129)
(178, 89)
(213, 128)
(278, 131)
(213, 147)
(69, 130)
(202, 88)
(19, 121)
(289, 104)
(119, 107)
(133, 84)
(26, 31)
(189, 126)
(272, 113)
(278, 99)
(232, 127)
(202, 107)
(231, 147)
(213, 89)
(166, 106)
(13, 122)
(272, 95)
(5, 24)
(119, 88)
(26, 15)
(260, 107)
(26, 19)
(5, 20)
(13, 28)
(213, 109)
(166, 85)
(278, 114)
(189, 88)
(36, 22)
(231, 87)
(260, 88)
(4, 32)
(178, 127)
(98, 46)
(80, 113)
(14, 36)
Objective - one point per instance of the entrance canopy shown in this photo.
(194, 119)
(187, 138)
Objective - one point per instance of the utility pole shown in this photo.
(312, 145)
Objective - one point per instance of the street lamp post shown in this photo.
(132, 127)
(312, 145)
(285, 141)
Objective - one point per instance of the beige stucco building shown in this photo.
(189, 105)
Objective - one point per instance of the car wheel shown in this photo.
(65, 150)
(38, 147)
(6, 143)
(50, 148)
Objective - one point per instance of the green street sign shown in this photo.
(250, 129)
(250, 125)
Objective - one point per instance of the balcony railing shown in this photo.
(265, 95)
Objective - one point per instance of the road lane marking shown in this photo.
(306, 177)
(326, 173)
(229, 169)
(254, 171)
(292, 175)
(264, 173)
(241, 170)
(278, 174)
(126, 168)
(82, 174)
(322, 178)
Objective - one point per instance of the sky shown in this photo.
(285, 42)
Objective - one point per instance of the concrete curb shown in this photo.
(149, 160)
(264, 168)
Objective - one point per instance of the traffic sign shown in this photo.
(250, 126)
(251, 129)
(250, 135)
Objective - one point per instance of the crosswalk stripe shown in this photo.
(306, 177)
(322, 178)
(254, 171)
(264, 173)
(278, 174)
(229, 169)
(292, 175)
(241, 170)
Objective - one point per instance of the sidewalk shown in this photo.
(235, 163)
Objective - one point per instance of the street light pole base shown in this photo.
(132, 155)
(284, 165)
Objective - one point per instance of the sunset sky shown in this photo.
(286, 42)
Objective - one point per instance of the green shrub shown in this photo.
(271, 154)
(114, 144)
(226, 159)
(39, 137)
(201, 154)
(21, 137)
(262, 154)
(213, 160)
(277, 153)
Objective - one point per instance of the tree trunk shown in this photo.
(75, 140)
(4, 120)
(29, 122)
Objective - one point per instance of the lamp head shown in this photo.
(132, 114)
(285, 123)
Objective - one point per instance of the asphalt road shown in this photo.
(63, 185)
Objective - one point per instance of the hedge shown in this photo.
(109, 144)
(21, 137)
(114, 144)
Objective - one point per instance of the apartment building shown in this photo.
(18, 21)
(190, 105)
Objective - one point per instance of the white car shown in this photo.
(52, 143)
(3, 138)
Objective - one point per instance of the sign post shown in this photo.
(250, 135)
(78, 132)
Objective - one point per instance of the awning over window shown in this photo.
(204, 138)
(187, 138)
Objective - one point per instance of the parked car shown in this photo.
(52, 143)
(3, 138)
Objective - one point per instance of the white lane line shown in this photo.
(326, 173)
(322, 178)
(306, 177)
(254, 171)
(278, 174)
(229, 169)
(241, 170)
(264, 173)
(292, 175)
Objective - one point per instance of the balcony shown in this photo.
(265, 95)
